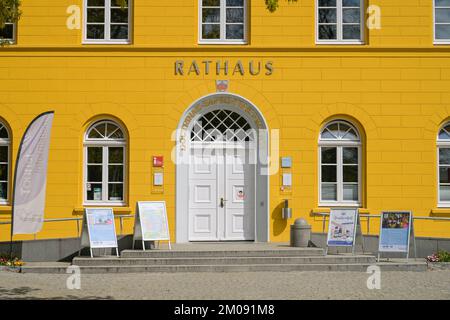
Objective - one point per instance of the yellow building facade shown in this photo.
(359, 118)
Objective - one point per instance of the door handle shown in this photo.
(222, 202)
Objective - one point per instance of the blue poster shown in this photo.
(395, 231)
(102, 231)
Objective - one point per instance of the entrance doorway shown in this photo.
(222, 191)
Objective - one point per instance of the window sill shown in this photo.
(327, 209)
(359, 43)
(441, 42)
(223, 42)
(107, 42)
(441, 210)
(116, 209)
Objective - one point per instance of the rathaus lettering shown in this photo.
(206, 67)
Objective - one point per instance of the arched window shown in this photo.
(339, 164)
(443, 144)
(5, 149)
(105, 163)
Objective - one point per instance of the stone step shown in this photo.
(297, 252)
(349, 267)
(113, 261)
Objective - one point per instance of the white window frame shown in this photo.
(441, 144)
(105, 145)
(339, 24)
(107, 24)
(438, 41)
(339, 145)
(14, 38)
(222, 39)
(7, 143)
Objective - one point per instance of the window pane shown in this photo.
(96, 15)
(327, 15)
(351, 15)
(443, 134)
(329, 155)
(117, 3)
(115, 192)
(7, 32)
(211, 31)
(235, 31)
(350, 192)
(442, 31)
(3, 172)
(94, 191)
(350, 155)
(444, 155)
(329, 192)
(350, 135)
(351, 32)
(443, 15)
(95, 31)
(442, 3)
(119, 32)
(3, 133)
(329, 174)
(115, 173)
(327, 3)
(94, 173)
(211, 15)
(115, 155)
(3, 154)
(351, 3)
(350, 173)
(235, 15)
(96, 3)
(327, 32)
(119, 15)
(3, 190)
(95, 155)
(211, 3)
(444, 175)
(444, 192)
(235, 3)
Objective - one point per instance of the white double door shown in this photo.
(222, 194)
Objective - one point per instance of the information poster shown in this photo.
(395, 231)
(101, 228)
(153, 218)
(342, 227)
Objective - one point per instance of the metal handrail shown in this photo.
(78, 219)
(369, 216)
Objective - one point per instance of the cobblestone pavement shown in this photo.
(246, 285)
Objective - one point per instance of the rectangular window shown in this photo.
(340, 21)
(444, 176)
(105, 170)
(8, 33)
(4, 173)
(223, 21)
(441, 21)
(106, 21)
(339, 175)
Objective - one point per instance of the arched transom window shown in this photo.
(105, 163)
(5, 149)
(339, 164)
(222, 125)
(443, 144)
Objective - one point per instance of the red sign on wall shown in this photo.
(158, 161)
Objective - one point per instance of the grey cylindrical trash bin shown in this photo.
(300, 233)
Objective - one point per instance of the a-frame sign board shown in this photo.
(98, 230)
(151, 223)
(397, 233)
(344, 229)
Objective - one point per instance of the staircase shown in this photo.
(225, 259)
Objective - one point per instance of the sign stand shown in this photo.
(151, 223)
(86, 239)
(411, 238)
(357, 234)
